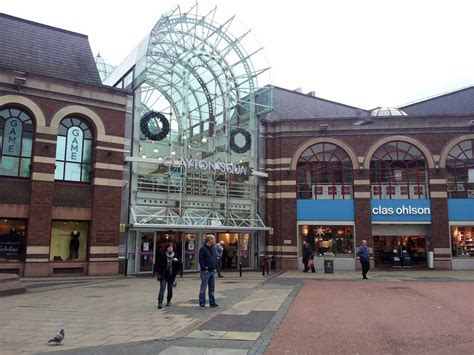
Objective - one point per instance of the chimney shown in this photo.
(311, 93)
(299, 90)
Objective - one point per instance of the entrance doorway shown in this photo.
(238, 249)
(387, 248)
(146, 244)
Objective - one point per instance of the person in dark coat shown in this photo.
(364, 256)
(308, 257)
(166, 267)
(208, 266)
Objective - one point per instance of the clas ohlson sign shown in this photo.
(401, 210)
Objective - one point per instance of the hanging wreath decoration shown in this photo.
(248, 140)
(155, 116)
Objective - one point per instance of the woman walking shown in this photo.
(166, 268)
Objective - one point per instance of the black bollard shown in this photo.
(240, 269)
(263, 267)
(181, 271)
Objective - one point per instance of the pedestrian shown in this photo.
(166, 268)
(364, 256)
(231, 252)
(308, 262)
(219, 253)
(208, 265)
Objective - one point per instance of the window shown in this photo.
(16, 142)
(460, 170)
(69, 241)
(398, 171)
(462, 241)
(73, 150)
(12, 239)
(338, 240)
(324, 171)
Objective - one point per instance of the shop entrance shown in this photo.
(238, 248)
(388, 248)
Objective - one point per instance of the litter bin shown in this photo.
(328, 264)
(430, 260)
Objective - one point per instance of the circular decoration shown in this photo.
(154, 119)
(248, 140)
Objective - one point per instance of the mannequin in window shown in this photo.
(74, 245)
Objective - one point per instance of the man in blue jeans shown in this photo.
(208, 265)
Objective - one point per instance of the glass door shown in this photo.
(190, 251)
(245, 254)
(146, 247)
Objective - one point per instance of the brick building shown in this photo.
(61, 154)
(401, 178)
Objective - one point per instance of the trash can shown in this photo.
(328, 264)
(430, 260)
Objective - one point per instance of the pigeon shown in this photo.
(58, 338)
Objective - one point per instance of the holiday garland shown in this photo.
(155, 136)
(248, 140)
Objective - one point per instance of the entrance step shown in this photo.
(10, 284)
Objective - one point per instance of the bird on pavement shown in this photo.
(58, 338)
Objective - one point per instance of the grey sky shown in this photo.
(362, 53)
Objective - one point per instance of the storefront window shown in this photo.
(338, 240)
(69, 241)
(16, 141)
(398, 171)
(460, 170)
(12, 239)
(324, 171)
(462, 242)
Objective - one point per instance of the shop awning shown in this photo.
(175, 218)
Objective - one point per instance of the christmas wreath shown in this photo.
(248, 140)
(154, 117)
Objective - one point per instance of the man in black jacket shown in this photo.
(208, 265)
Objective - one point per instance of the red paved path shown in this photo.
(341, 317)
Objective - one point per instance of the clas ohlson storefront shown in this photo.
(330, 227)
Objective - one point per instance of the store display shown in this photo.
(462, 243)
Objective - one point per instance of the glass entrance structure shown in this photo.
(194, 127)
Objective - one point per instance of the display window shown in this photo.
(462, 242)
(386, 247)
(69, 241)
(338, 240)
(12, 239)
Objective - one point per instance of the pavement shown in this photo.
(289, 312)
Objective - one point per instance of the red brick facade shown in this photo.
(40, 199)
(286, 138)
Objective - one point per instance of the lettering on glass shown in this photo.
(12, 137)
(75, 140)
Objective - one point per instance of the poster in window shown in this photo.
(75, 139)
(12, 137)
(471, 175)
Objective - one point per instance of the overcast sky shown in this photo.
(358, 52)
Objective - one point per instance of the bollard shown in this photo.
(268, 266)
(240, 269)
(181, 271)
(125, 267)
(263, 267)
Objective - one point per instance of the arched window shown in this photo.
(16, 142)
(324, 171)
(398, 171)
(460, 170)
(73, 150)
